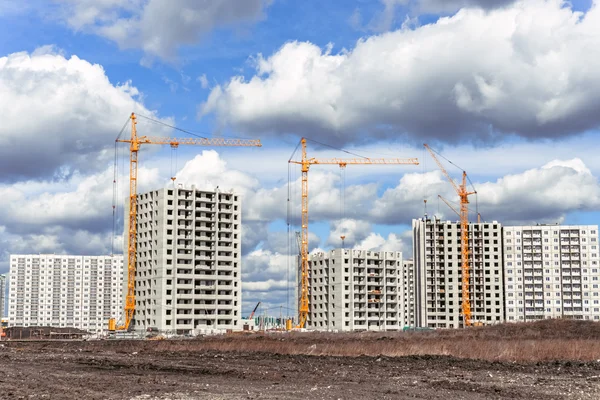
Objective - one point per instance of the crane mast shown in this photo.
(134, 146)
(305, 164)
(303, 312)
(463, 195)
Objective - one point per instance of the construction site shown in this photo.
(553, 359)
(271, 199)
(164, 321)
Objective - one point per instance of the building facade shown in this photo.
(552, 271)
(438, 273)
(188, 276)
(356, 290)
(82, 292)
(408, 294)
(2, 296)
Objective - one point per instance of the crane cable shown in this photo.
(173, 170)
(292, 194)
(342, 202)
(468, 178)
(116, 189)
(291, 217)
(462, 169)
(186, 131)
(335, 148)
(289, 242)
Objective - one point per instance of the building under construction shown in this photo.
(408, 292)
(188, 278)
(438, 273)
(517, 273)
(355, 290)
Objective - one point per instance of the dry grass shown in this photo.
(492, 350)
(532, 342)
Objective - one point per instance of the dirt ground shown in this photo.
(146, 370)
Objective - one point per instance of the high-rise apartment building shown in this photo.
(408, 294)
(82, 292)
(188, 277)
(354, 290)
(551, 271)
(2, 295)
(438, 273)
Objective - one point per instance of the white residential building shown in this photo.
(355, 290)
(65, 291)
(408, 294)
(2, 295)
(551, 271)
(438, 273)
(188, 273)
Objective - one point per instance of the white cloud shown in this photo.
(158, 27)
(440, 81)
(264, 286)
(265, 276)
(394, 242)
(353, 230)
(203, 81)
(544, 194)
(383, 21)
(524, 196)
(208, 170)
(83, 202)
(448, 6)
(59, 114)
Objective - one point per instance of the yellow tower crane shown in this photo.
(463, 195)
(305, 164)
(134, 146)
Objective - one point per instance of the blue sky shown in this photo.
(507, 92)
(219, 55)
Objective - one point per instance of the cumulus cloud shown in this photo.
(158, 27)
(209, 170)
(266, 204)
(60, 114)
(353, 230)
(383, 21)
(399, 204)
(268, 277)
(61, 240)
(543, 194)
(82, 202)
(523, 69)
(394, 242)
(448, 6)
(525, 196)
